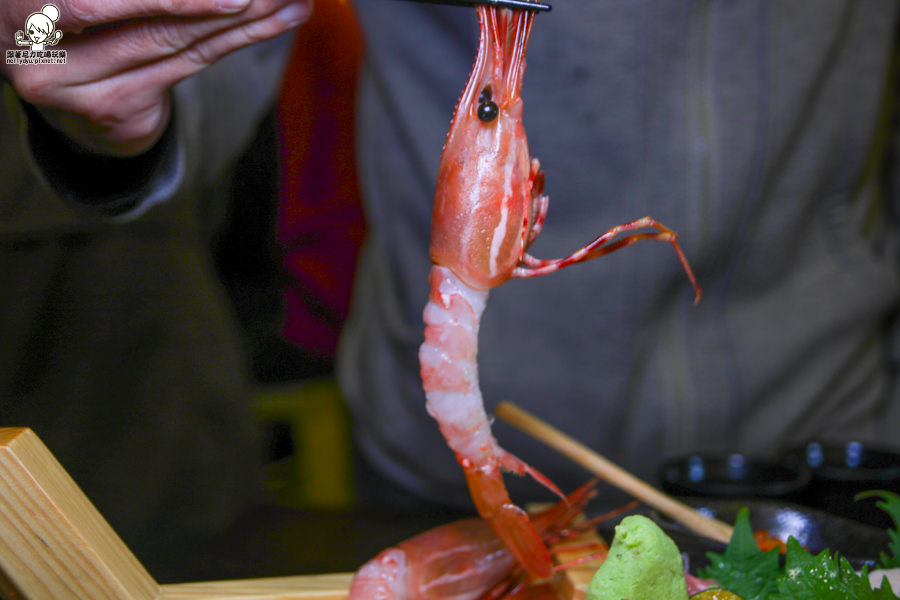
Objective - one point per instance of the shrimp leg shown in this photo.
(605, 244)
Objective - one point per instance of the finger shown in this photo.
(112, 104)
(205, 52)
(105, 52)
(76, 15)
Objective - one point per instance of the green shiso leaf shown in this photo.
(757, 575)
(890, 503)
(821, 577)
(743, 568)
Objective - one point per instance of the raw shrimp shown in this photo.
(489, 207)
(463, 560)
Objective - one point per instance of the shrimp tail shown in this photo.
(555, 523)
(510, 523)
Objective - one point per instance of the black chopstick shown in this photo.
(514, 4)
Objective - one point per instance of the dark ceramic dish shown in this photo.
(815, 529)
(735, 476)
(851, 461)
(844, 468)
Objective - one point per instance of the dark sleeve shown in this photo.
(108, 185)
(215, 114)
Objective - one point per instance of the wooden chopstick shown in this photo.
(614, 474)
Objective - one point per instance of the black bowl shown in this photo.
(851, 461)
(814, 529)
(735, 476)
(844, 468)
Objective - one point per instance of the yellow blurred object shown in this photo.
(311, 423)
(715, 594)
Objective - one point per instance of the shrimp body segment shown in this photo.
(450, 376)
(489, 207)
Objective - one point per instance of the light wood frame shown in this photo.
(55, 544)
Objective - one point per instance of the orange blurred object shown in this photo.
(766, 541)
(320, 219)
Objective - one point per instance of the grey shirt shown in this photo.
(756, 130)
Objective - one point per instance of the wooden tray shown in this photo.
(55, 544)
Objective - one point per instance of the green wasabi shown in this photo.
(643, 564)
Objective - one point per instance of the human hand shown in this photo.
(124, 56)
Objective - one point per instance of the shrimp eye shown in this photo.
(487, 111)
(485, 95)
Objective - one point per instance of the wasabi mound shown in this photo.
(643, 564)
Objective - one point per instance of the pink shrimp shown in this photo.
(489, 207)
(463, 560)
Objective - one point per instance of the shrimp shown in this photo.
(463, 560)
(489, 207)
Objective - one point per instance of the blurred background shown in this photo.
(286, 256)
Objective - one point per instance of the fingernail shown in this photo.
(232, 5)
(294, 14)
